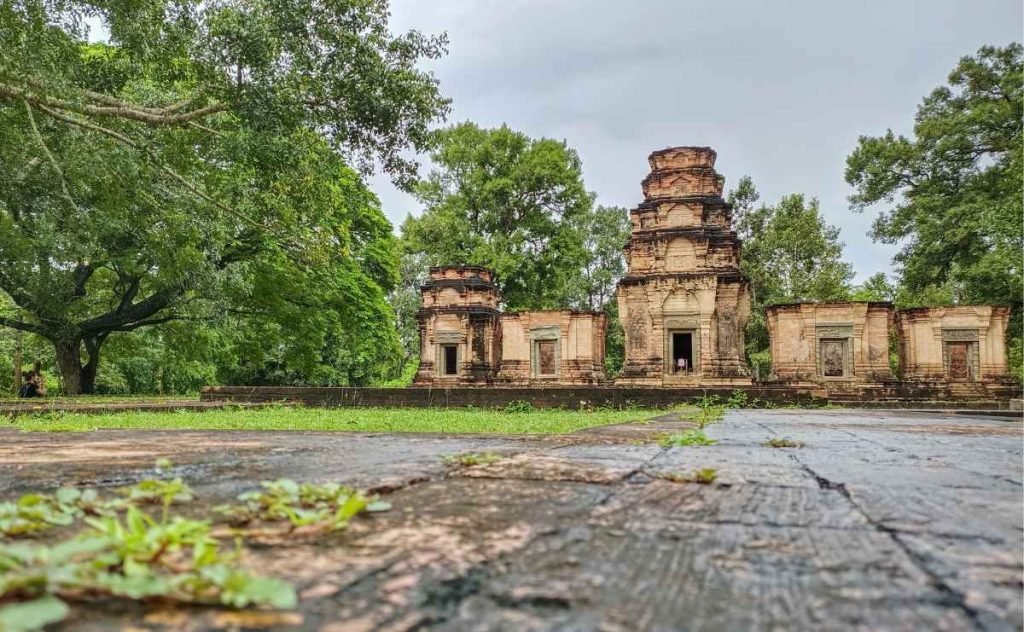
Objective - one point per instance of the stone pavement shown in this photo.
(881, 521)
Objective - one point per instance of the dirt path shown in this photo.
(894, 521)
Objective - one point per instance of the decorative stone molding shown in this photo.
(960, 335)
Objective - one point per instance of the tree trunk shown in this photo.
(92, 347)
(19, 358)
(70, 364)
(79, 379)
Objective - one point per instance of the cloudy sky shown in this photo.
(780, 89)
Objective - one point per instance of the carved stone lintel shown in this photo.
(834, 330)
(552, 332)
(960, 335)
(447, 337)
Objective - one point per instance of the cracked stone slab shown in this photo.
(876, 523)
(712, 577)
(652, 506)
(536, 467)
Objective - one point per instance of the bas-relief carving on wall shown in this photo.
(960, 335)
(478, 342)
(727, 330)
(637, 333)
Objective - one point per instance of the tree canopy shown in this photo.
(501, 199)
(789, 253)
(951, 192)
(195, 166)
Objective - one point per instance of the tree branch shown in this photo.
(181, 179)
(159, 117)
(49, 156)
(21, 325)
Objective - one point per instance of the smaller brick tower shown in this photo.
(460, 333)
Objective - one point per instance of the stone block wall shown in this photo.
(965, 343)
(552, 347)
(830, 342)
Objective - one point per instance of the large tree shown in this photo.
(951, 191)
(195, 164)
(790, 254)
(605, 231)
(501, 199)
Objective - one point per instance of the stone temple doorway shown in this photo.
(959, 354)
(682, 356)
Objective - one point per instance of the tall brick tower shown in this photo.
(683, 302)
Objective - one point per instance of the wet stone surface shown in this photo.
(882, 520)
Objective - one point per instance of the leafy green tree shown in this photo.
(500, 199)
(952, 190)
(875, 288)
(789, 253)
(406, 301)
(195, 166)
(604, 231)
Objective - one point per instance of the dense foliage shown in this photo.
(193, 168)
(790, 254)
(952, 190)
(501, 199)
(517, 205)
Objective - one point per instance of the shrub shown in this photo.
(519, 406)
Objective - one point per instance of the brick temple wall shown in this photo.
(894, 394)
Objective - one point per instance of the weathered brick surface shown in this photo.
(891, 395)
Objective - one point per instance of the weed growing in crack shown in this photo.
(688, 438)
(704, 476)
(469, 459)
(33, 513)
(709, 410)
(329, 506)
(782, 442)
(123, 552)
(176, 559)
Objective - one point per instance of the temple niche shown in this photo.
(683, 302)
(961, 344)
(831, 342)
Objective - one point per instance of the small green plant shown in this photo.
(782, 442)
(33, 513)
(29, 616)
(469, 459)
(176, 559)
(704, 476)
(709, 410)
(708, 401)
(518, 406)
(738, 399)
(688, 438)
(329, 505)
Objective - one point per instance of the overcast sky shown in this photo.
(780, 89)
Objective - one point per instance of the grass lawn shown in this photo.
(96, 399)
(449, 420)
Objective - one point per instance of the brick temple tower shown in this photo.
(683, 302)
(460, 332)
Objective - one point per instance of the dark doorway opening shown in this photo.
(451, 359)
(682, 352)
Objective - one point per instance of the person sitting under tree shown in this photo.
(34, 386)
